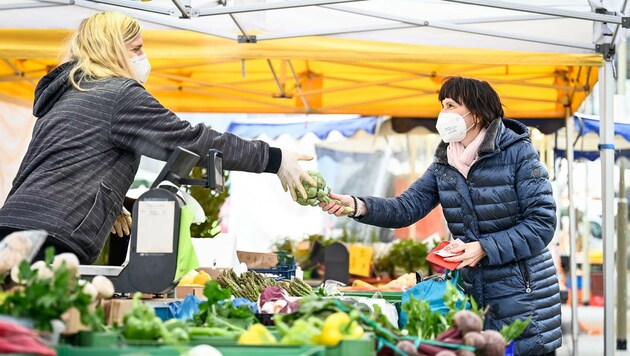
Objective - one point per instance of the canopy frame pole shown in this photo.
(244, 38)
(129, 5)
(182, 25)
(461, 28)
(269, 6)
(570, 126)
(41, 3)
(298, 86)
(395, 26)
(283, 93)
(18, 72)
(184, 9)
(379, 100)
(207, 84)
(579, 15)
(368, 84)
(491, 80)
(215, 94)
(606, 151)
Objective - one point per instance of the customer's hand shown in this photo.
(472, 254)
(122, 224)
(337, 207)
(290, 173)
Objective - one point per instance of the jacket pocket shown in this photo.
(91, 232)
(525, 274)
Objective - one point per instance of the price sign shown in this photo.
(360, 260)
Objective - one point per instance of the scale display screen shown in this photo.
(155, 221)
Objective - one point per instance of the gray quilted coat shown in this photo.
(85, 151)
(506, 204)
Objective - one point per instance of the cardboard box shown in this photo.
(72, 318)
(212, 271)
(182, 291)
(115, 310)
(257, 259)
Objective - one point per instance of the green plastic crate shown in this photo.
(213, 341)
(66, 350)
(111, 344)
(272, 350)
(363, 347)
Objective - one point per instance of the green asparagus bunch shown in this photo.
(319, 193)
(250, 284)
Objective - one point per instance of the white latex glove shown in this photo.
(290, 173)
(122, 224)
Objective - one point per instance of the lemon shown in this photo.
(201, 278)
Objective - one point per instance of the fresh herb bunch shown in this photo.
(45, 299)
(410, 256)
(514, 329)
(425, 323)
(224, 315)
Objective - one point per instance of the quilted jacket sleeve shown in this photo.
(142, 125)
(537, 213)
(412, 205)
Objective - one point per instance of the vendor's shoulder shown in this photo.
(122, 82)
(125, 87)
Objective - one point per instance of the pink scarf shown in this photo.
(462, 157)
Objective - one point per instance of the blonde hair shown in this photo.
(99, 47)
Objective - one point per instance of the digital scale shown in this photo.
(151, 261)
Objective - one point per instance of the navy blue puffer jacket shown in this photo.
(506, 204)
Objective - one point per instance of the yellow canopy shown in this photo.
(195, 72)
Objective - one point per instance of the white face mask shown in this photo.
(141, 67)
(452, 126)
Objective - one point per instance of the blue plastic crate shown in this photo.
(162, 309)
(282, 272)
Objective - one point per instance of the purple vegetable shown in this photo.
(272, 294)
(276, 300)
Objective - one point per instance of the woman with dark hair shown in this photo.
(497, 199)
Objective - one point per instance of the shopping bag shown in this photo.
(432, 290)
(186, 255)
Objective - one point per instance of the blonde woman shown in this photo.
(95, 120)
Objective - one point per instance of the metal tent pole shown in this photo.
(622, 248)
(606, 149)
(570, 126)
(622, 212)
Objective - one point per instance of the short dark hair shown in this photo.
(478, 96)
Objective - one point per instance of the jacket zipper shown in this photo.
(525, 274)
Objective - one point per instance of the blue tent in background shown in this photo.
(296, 129)
(586, 144)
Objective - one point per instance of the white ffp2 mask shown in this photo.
(452, 126)
(141, 67)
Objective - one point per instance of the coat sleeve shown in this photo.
(537, 213)
(142, 125)
(412, 205)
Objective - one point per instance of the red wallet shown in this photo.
(439, 260)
